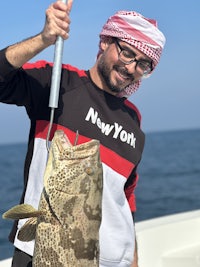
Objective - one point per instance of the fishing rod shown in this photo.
(55, 81)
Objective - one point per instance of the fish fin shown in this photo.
(21, 212)
(28, 230)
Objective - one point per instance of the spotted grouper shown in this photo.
(66, 224)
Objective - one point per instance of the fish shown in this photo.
(66, 224)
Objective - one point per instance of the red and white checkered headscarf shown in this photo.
(138, 31)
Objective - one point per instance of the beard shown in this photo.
(105, 72)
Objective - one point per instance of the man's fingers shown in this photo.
(69, 5)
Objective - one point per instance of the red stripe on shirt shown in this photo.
(42, 64)
(109, 157)
(132, 106)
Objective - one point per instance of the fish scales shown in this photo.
(67, 233)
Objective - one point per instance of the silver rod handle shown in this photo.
(56, 71)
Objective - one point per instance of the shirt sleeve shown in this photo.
(6, 67)
(28, 86)
(130, 189)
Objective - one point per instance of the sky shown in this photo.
(168, 100)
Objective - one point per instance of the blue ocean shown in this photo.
(169, 178)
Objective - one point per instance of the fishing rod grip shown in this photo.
(56, 71)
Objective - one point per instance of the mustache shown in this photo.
(123, 71)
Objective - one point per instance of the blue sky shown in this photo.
(169, 100)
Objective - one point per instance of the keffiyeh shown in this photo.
(138, 31)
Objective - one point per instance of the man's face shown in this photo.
(115, 74)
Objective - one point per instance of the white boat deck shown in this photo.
(169, 241)
(5, 263)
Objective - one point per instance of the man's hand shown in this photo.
(57, 22)
(135, 262)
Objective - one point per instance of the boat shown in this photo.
(170, 241)
(5, 263)
(167, 241)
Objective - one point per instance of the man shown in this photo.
(94, 103)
